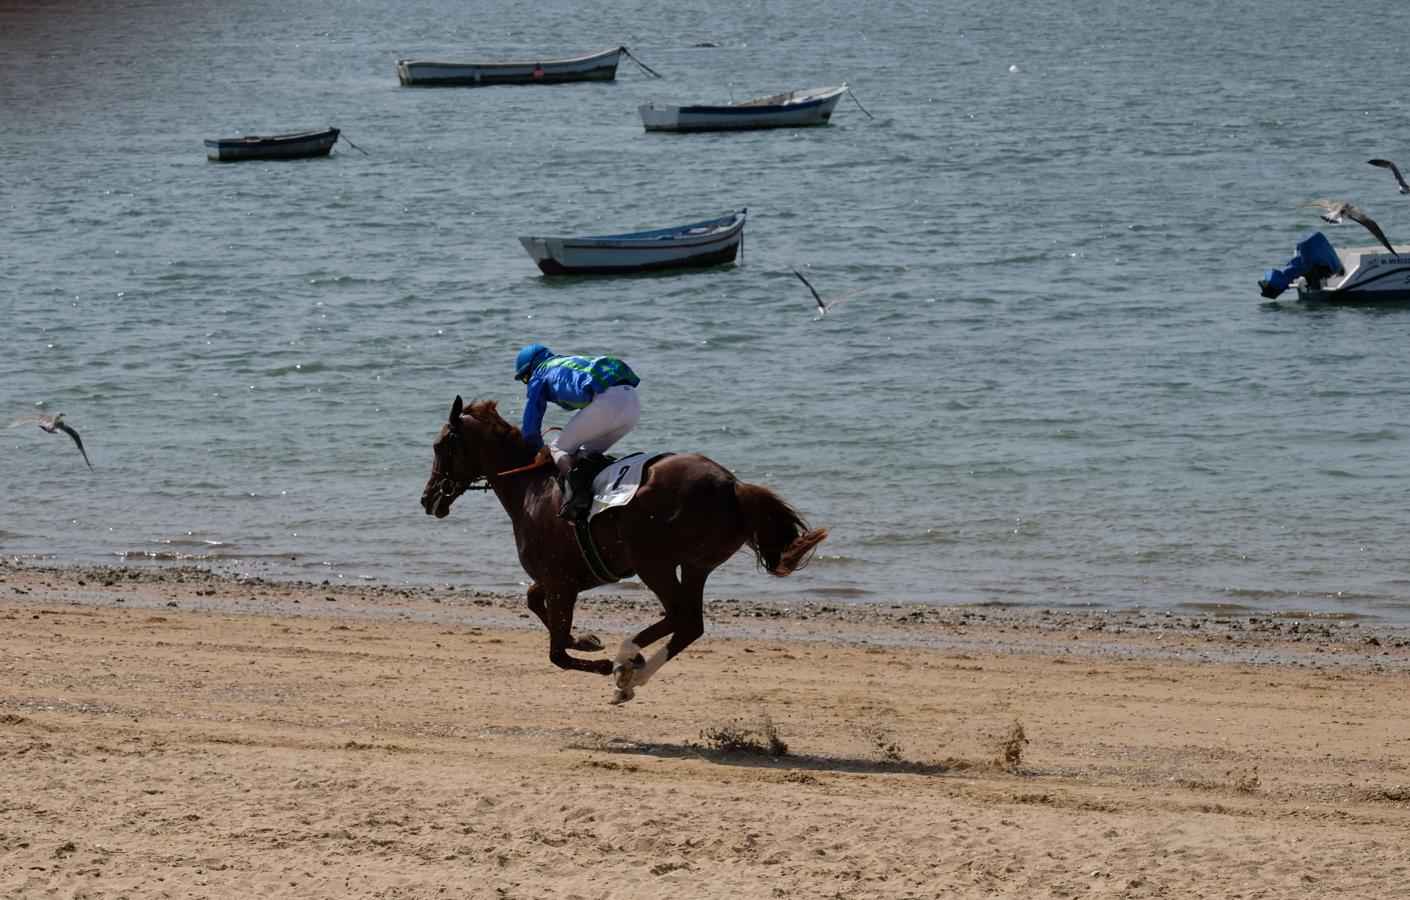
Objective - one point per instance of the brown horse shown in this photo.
(689, 516)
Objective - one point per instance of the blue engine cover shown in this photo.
(1314, 254)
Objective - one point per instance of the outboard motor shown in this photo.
(1316, 259)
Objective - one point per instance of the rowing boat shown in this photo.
(710, 242)
(276, 146)
(600, 66)
(792, 109)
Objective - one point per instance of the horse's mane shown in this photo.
(487, 412)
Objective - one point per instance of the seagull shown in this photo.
(1387, 164)
(53, 424)
(1335, 209)
(824, 305)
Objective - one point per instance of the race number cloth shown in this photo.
(616, 485)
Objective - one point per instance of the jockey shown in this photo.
(601, 389)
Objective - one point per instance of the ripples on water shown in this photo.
(1059, 386)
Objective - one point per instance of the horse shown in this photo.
(689, 515)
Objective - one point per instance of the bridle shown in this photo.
(449, 488)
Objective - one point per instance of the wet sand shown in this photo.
(172, 733)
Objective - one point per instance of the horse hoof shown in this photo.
(622, 695)
(588, 643)
(622, 665)
(625, 674)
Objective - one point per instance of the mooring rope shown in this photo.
(859, 103)
(645, 68)
(352, 145)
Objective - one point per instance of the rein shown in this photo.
(537, 463)
(529, 468)
(449, 487)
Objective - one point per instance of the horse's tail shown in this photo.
(780, 539)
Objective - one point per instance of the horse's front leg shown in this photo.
(587, 643)
(559, 619)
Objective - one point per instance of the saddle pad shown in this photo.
(616, 485)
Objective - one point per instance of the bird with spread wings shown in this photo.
(53, 424)
(824, 305)
(1335, 209)
(1387, 164)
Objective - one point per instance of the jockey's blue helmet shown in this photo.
(529, 358)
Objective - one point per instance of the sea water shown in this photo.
(1059, 385)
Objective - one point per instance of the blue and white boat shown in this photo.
(1322, 273)
(792, 109)
(712, 242)
(277, 146)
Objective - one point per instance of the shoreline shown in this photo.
(182, 734)
(1245, 637)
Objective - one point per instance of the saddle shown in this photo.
(609, 485)
(578, 491)
(592, 464)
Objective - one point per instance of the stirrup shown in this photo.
(576, 505)
(573, 511)
(577, 496)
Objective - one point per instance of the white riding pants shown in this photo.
(600, 424)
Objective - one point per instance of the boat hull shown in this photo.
(601, 66)
(278, 146)
(1310, 295)
(792, 110)
(1373, 275)
(698, 245)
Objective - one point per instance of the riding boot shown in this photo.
(577, 492)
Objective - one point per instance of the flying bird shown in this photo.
(824, 305)
(1387, 164)
(1335, 209)
(53, 424)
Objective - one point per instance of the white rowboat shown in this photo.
(792, 109)
(600, 66)
(708, 243)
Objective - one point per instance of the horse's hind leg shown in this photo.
(588, 643)
(689, 619)
(684, 620)
(629, 663)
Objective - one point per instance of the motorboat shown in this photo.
(1322, 273)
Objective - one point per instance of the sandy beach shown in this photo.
(173, 733)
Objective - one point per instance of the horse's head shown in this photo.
(454, 471)
(474, 444)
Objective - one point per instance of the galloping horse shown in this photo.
(689, 514)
